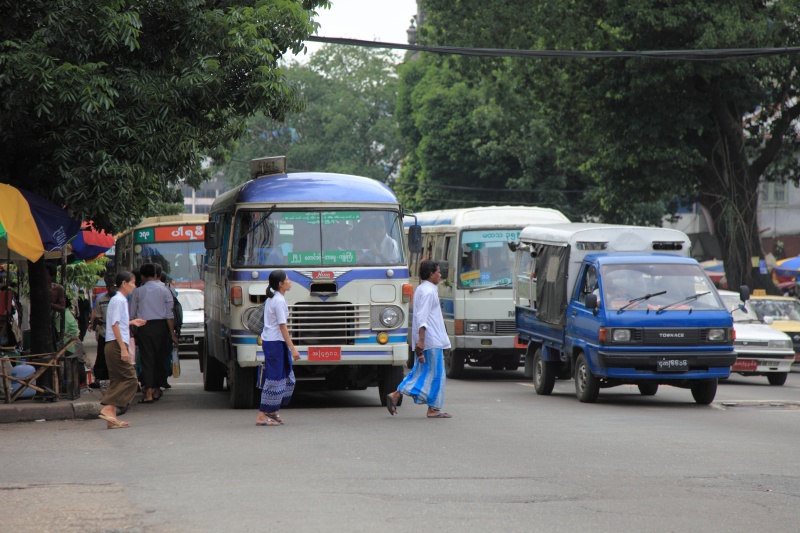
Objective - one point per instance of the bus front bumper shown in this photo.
(249, 355)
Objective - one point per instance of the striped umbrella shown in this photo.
(32, 225)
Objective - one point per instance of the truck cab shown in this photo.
(614, 305)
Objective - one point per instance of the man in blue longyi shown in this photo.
(425, 383)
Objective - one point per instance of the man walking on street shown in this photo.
(425, 382)
(153, 303)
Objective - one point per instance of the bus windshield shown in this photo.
(486, 259)
(178, 259)
(318, 238)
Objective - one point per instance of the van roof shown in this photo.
(620, 238)
(493, 215)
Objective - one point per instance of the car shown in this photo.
(760, 349)
(783, 314)
(193, 331)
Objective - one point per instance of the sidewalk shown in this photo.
(30, 410)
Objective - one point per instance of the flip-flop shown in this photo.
(440, 414)
(276, 417)
(390, 405)
(145, 401)
(266, 422)
(119, 425)
(109, 419)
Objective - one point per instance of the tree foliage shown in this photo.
(642, 131)
(347, 125)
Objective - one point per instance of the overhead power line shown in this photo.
(723, 54)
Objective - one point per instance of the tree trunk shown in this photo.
(41, 326)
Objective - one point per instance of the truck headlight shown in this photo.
(783, 343)
(479, 327)
(716, 335)
(621, 335)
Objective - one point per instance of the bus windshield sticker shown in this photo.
(304, 258)
(337, 257)
(333, 217)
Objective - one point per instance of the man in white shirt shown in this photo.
(425, 383)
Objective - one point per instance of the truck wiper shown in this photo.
(477, 289)
(688, 298)
(639, 299)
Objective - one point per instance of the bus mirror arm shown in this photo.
(210, 238)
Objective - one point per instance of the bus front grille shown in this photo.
(315, 323)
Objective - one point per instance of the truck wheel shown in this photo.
(453, 364)
(388, 380)
(648, 389)
(777, 378)
(243, 386)
(213, 371)
(587, 386)
(704, 391)
(544, 374)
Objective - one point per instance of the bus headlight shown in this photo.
(253, 319)
(389, 316)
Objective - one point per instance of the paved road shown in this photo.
(509, 460)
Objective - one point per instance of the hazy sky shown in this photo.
(372, 20)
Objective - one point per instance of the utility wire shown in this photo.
(722, 54)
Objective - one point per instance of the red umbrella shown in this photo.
(90, 243)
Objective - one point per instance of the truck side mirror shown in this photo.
(591, 301)
(415, 239)
(444, 267)
(210, 238)
(744, 293)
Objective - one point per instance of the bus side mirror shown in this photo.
(591, 301)
(444, 268)
(415, 239)
(210, 238)
(744, 293)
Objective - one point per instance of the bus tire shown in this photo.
(777, 378)
(544, 374)
(388, 380)
(453, 364)
(213, 371)
(648, 389)
(243, 386)
(704, 391)
(587, 386)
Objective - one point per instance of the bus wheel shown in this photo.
(648, 389)
(777, 378)
(544, 374)
(243, 385)
(587, 386)
(453, 364)
(704, 391)
(213, 371)
(388, 380)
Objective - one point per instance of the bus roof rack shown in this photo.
(267, 166)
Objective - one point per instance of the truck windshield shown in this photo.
(670, 287)
(486, 259)
(317, 238)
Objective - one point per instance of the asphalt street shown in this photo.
(508, 460)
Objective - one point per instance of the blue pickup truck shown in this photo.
(614, 305)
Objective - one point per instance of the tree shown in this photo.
(347, 125)
(107, 104)
(645, 130)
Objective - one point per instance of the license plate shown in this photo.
(321, 353)
(186, 339)
(744, 365)
(672, 364)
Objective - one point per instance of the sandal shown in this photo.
(269, 422)
(276, 417)
(439, 414)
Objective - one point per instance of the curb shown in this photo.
(64, 410)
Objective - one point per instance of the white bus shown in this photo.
(476, 295)
(339, 239)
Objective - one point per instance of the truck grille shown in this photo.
(505, 327)
(673, 336)
(314, 323)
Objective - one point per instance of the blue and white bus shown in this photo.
(340, 240)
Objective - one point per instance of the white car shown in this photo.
(192, 331)
(760, 349)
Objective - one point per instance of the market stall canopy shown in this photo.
(90, 243)
(32, 226)
(789, 267)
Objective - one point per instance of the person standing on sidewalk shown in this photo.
(277, 375)
(153, 303)
(425, 382)
(98, 324)
(122, 386)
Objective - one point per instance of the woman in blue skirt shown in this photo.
(277, 378)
